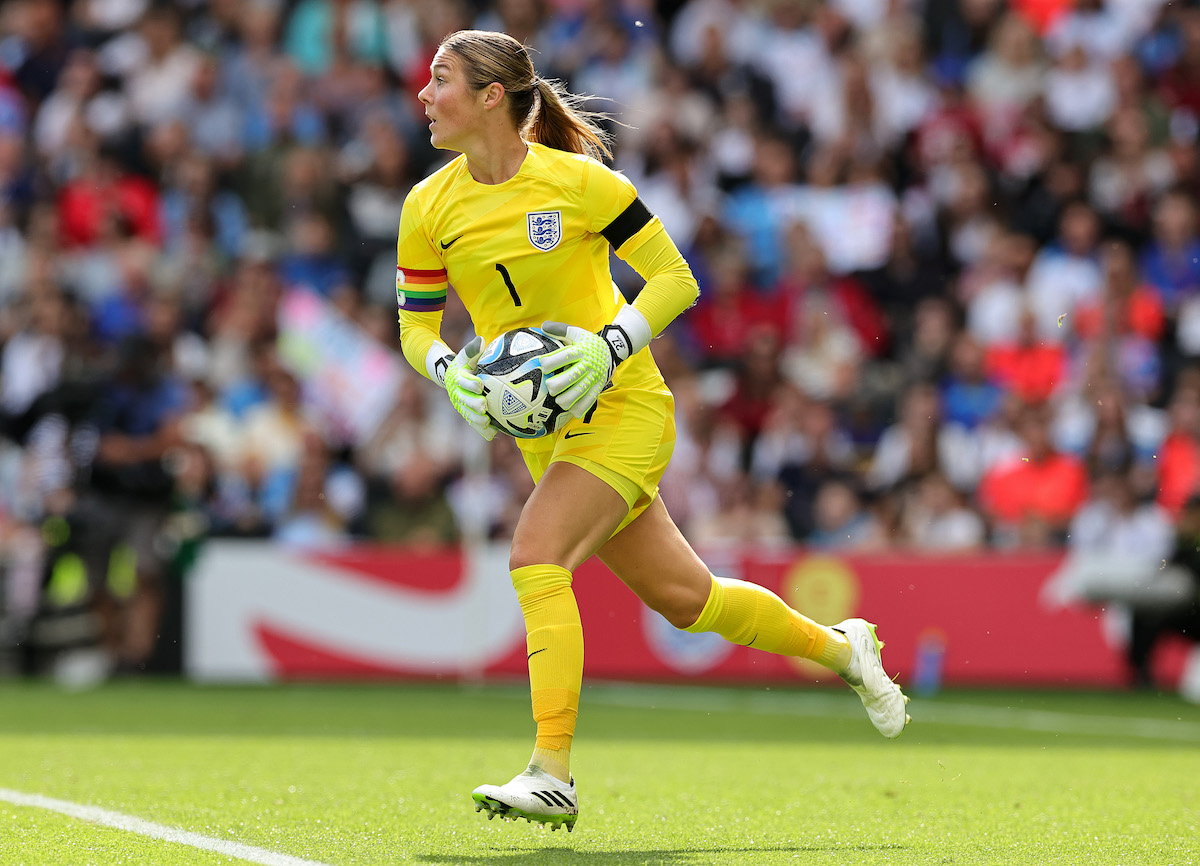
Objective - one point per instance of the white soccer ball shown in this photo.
(514, 386)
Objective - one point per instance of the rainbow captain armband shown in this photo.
(421, 291)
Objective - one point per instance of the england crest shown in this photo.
(545, 228)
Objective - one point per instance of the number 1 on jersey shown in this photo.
(512, 290)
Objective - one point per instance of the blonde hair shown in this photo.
(542, 111)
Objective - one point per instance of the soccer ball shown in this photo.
(513, 385)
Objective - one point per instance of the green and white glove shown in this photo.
(466, 389)
(587, 361)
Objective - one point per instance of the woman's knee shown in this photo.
(679, 603)
(524, 553)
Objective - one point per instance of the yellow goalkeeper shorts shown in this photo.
(626, 440)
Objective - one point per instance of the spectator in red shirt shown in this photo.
(758, 380)
(1041, 13)
(1034, 495)
(1179, 455)
(103, 190)
(1127, 307)
(808, 276)
(1120, 329)
(1030, 368)
(729, 312)
(1179, 86)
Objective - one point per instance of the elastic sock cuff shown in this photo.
(832, 648)
(712, 609)
(534, 578)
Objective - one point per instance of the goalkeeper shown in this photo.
(520, 224)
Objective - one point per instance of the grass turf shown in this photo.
(383, 774)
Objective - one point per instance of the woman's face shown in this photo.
(454, 109)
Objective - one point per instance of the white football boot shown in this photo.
(882, 697)
(534, 796)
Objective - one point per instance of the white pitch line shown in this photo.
(130, 824)
(944, 713)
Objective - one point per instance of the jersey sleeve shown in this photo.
(640, 239)
(670, 286)
(607, 196)
(421, 288)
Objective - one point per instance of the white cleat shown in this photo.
(534, 796)
(882, 697)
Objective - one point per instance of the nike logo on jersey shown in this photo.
(535, 652)
(575, 433)
(447, 244)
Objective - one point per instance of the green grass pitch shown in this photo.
(383, 774)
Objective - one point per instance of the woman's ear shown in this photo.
(492, 95)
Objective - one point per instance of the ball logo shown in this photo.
(522, 343)
(545, 228)
(511, 404)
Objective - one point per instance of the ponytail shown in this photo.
(543, 111)
(559, 120)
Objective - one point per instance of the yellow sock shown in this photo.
(751, 615)
(554, 641)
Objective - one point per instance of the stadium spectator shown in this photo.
(756, 378)
(1006, 78)
(32, 359)
(918, 443)
(746, 515)
(1079, 92)
(1131, 174)
(992, 290)
(1179, 457)
(316, 502)
(103, 194)
(1171, 260)
(821, 452)
(841, 522)
(122, 511)
(968, 396)
(1031, 500)
(167, 67)
(407, 463)
(1031, 368)
(1178, 613)
(274, 440)
(722, 324)
(909, 275)
(935, 518)
(758, 212)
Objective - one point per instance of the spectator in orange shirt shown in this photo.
(1033, 496)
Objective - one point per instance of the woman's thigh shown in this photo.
(652, 558)
(568, 516)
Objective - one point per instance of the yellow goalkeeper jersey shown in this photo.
(518, 253)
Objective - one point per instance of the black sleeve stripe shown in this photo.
(627, 224)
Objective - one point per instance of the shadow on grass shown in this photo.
(657, 855)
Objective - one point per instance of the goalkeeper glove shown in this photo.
(587, 361)
(466, 389)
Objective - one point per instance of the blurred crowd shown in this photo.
(948, 251)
